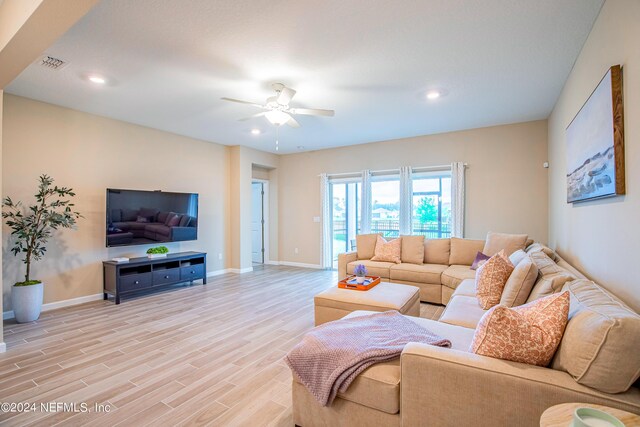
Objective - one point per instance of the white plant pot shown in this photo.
(360, 279)
(27, 302)
(153, 256)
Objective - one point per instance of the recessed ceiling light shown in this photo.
(433, 94)
(256, 131)
(97, 79)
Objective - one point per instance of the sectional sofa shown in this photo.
(596, 362)
(445, 264)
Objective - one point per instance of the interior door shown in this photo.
(257, 222)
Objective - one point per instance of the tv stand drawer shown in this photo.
(192, 272)
(133, 282)
(170, 275)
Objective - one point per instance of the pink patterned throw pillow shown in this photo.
(529, 334)
(388, 251)
(491, 278)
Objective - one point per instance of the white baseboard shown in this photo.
(217, 272)
(240, 270)
(300, 264)
(269, 262)
(60, 304)
(3, 347)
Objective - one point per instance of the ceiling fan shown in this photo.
(277, 109)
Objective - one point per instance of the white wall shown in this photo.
(506, 182)
(91, 153)
(601, 237)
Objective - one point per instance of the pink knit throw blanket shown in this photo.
(332, 355)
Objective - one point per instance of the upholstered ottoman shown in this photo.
(335, 303)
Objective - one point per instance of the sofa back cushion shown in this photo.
(551, 277)
(463, 251)
(437, 251)
(502, 241)
(129, 215)
(601, 341)
(148, 213)
(519, 285)
(412, 249)
(162, 217)
(539, 247)
(366, 245)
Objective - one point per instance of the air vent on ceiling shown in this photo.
(52, 63)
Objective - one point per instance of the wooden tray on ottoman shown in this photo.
(350, 283)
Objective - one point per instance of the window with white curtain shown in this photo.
(385, 205)
(431, 216)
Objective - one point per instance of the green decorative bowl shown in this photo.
(590, 417)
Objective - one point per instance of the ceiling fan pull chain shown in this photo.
(277, 137)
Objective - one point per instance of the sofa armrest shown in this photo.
(182, 233)
(451, 387)
(343, 260)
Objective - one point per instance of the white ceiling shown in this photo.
(169, 62)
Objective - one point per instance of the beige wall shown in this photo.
(506, 183)
(243, 161)
(90, 154)
(601, 237)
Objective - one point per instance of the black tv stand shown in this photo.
(122, 278)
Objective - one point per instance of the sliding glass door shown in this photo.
(345, 216)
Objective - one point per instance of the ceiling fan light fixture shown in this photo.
(433, 94)
(277, 117)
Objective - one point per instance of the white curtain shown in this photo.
(457, 199)
(325, 219)
(406, 200)
(365, 203)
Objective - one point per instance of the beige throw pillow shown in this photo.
(388, 251)
(539, 247)
(412, 250)
(491, 278)
(519, 285)
(529, 334)
(366, 245)
(499, 241)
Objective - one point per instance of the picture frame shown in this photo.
(595, 143)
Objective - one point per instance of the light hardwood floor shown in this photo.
(199, 355)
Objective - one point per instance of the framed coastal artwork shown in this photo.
(595, 143)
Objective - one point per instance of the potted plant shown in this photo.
(361, 273)
(157, 252)
(32, 227)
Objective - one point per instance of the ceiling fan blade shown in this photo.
(285, 96)
(312, 112)
(293, 123)
(239, 101)
(251, 117)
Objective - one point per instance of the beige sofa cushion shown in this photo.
(539, 247)
(499, 241)
(463, 251)
(602, 339)
(366, 245)
(466, 287)
(551, 277)
(423, 273)
(437, 251)
(519, 285)
(374, 268)
(463, 311)
(454, 274)
(378, 387)
(412, 249)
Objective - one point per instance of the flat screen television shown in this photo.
(136, 217)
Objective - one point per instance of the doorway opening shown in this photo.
(259, 221)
